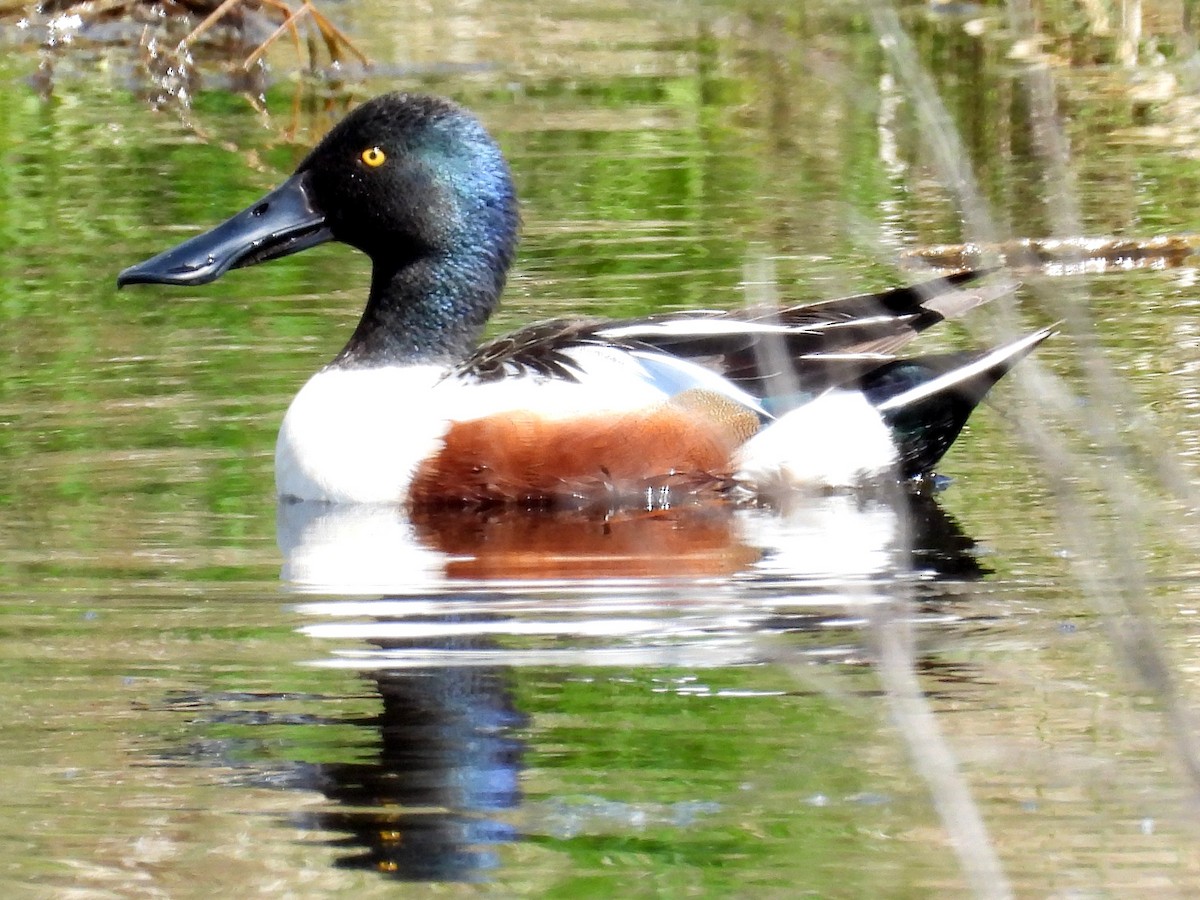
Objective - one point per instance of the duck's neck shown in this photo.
(431, 309)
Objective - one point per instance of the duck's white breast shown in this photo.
(356, 435)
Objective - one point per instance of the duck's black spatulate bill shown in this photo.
(283, 222)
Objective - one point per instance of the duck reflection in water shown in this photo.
(429, 806)
(449, 756)
(439, 790)
(376, 549)
(444, 787)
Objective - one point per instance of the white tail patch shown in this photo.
(837, 441)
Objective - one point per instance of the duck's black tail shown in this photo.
(926, 400)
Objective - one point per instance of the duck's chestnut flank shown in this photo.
(412, 411)
(522, 457)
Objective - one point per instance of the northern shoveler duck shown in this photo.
(412, 410)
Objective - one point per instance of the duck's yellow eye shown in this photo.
(373, 157)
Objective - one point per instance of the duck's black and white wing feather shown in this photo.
(793, 352)
(880, 322)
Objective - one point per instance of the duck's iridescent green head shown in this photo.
(414, 182)
(404, 175)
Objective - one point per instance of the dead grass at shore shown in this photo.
(248, 28)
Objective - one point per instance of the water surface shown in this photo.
(209, 694)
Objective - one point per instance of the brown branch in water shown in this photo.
(1066, 255)
(215, 16)
(288, 24)
(335, 38)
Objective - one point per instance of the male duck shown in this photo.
(411, 410)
